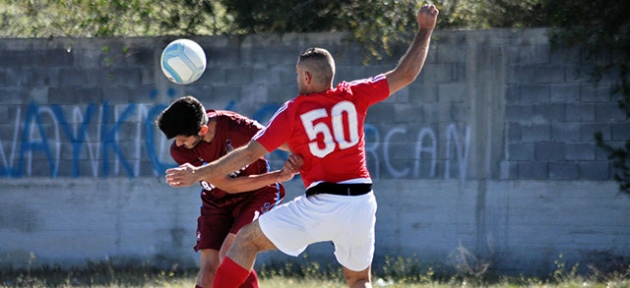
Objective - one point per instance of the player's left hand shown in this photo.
(427, 17)
(181, 176)
(291, 166)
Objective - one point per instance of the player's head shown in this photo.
(185, 120)
(315, 70)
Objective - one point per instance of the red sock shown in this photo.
(229, 274)
(251, 281)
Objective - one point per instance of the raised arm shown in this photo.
(412, 62)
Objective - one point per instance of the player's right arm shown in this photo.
(412, 62)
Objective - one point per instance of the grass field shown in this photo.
(177, 281)
(398, 274)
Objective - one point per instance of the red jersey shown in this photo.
(232, 131)
(326, 129)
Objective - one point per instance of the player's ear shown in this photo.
(203, 130)
(308, 77)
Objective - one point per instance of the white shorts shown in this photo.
(347, 221)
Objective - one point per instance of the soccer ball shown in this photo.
(183, 61)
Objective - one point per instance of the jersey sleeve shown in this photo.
(250, 128)
(277, 130)
(372, 90)
(237, 125)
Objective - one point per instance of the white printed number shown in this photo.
(338, 128)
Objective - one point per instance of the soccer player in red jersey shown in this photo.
(324, 125)
(234, 199)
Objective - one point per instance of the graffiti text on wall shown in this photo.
(108, 140)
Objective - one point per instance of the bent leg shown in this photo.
(358, 279)
(252, 279)
(227, 243)
(248, 242)
(209, 263)
(238, 263)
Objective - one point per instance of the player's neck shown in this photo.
(317, 91)
(212, 129)
(314, 88)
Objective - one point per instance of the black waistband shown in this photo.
(339, 189)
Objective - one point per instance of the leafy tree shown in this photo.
(510, 13)
(376, 23)
(99, 18)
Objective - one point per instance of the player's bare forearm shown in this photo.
(412, 62)
(252, 182)
(225, 165)
(248, 183)
(187, 175)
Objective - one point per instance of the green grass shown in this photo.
(396, 273)
(175, 280)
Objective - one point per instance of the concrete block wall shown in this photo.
(490, 148)
(552, 114)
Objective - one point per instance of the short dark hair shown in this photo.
(320, 62)
(184, 116)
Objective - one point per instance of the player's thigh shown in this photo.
(252, 238)
(248, 242)
(256, 205)
(354, 245)
(212, 227)
(292, 226)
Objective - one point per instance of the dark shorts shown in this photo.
(215, 223)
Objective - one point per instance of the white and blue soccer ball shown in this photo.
(183, 61)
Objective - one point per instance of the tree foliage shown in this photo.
(376, 23)
(101, 18)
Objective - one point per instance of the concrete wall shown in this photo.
(490, 150)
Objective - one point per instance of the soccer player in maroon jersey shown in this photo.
(234, 199)
(324, 125)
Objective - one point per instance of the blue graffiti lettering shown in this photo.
(30, 145)
(110, 138)
(124, 135)
(76, 141)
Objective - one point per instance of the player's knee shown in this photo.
(357, 278)
(209, 269)
(206, 276)
(248, 238)
(358, 282)
(209, 265)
